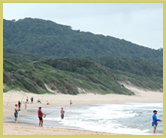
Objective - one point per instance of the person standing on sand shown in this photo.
(62, 113)
(19, 105)
(154, 123)
(70, 103)
(16, 113)
(31, 99)
(40, 116)
(27, 99)
(25, 105)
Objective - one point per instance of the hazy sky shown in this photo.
(139, 23)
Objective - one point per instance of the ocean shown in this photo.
(129, 118)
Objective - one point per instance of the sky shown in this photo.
(139, 23)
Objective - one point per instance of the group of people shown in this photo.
(26, 102)
(41, 114)
(154, 118)
(18, 108)
(31, 100)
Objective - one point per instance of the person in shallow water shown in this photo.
(155, 120)
(62, 113)
(40, 116)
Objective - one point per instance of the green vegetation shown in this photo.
(140, 73)
(20, 58)
(65, 75)
(39, 53)
(134, 66)
(45, 38)
(62, 74)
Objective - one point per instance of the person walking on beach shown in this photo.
(19, 105)
(70, 103)
(40, 116)
(62, 113)
(16, 113)
(154, 123)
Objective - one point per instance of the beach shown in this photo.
(60, 100)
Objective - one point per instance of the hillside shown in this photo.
(58, 75)
(134, 66)
(69, 75)
(45, 38)
(138, 72)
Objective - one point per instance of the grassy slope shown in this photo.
(140, 73)
(29, 73)
(87, 75)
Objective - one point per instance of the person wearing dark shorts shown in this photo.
(19, 105)
(70, 103)
(62, 116)
(27, 99)
(31, 99)
(16, 113)
(40, 116)
(62, 113)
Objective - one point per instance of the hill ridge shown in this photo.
(47, 38)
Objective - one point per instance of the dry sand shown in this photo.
(11, 98)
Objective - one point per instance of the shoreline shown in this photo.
(10, 98)
(47, 130)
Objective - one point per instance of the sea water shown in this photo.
(129, 118)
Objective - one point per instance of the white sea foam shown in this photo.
(117, 118)
(130, 118)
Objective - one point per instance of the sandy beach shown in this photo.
(11, 98)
